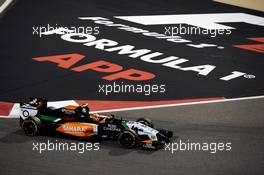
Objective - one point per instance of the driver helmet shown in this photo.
(33, 101)
(85, 108)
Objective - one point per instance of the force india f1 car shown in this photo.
(36, 118)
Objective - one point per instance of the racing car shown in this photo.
(36, 118)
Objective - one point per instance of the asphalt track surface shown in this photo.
(238, 122)
(28, 77)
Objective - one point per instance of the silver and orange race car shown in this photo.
(77, 121)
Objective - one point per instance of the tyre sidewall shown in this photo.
(128, 133)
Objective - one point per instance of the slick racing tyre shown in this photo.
(31, 126)
(145, 121)
(127, 139)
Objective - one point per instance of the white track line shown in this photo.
(71, 102)
(183, 104)
(5, 5)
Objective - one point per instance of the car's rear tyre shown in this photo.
(31, 126)
(146, 121)
(127, 139)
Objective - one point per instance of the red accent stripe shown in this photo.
(253, 47)
(99, 105)
(261, 39)
(5, 108)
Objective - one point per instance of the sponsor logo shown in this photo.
(111, 127)
(146, 55)
(78, 129)
(148, 145)
(209, 22)
(67, 111)
(75, 128)
(116, 71)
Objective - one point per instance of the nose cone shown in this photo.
(162, 138)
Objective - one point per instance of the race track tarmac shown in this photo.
(238, 122)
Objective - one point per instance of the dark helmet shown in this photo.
(85, 108)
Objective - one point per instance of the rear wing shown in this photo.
(32, 108)
(35, 103)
